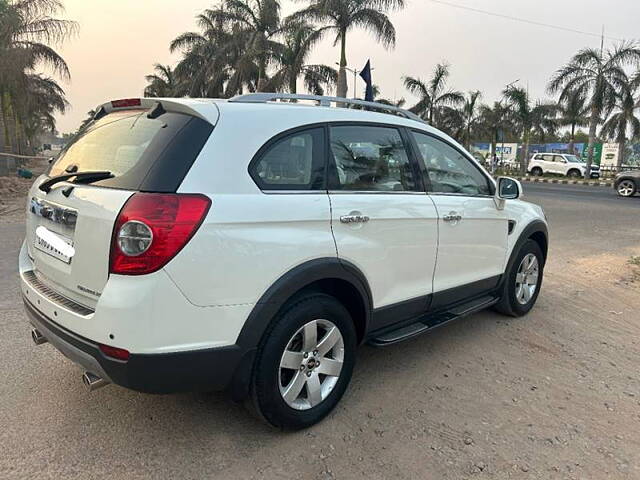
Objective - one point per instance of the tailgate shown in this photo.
(84, 221)
(70, 224)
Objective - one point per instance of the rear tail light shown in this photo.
(115, 352)
(152, 228)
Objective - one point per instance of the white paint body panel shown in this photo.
(250, 238)
(396, 248)
(473, 248)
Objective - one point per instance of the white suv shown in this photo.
(561, 164)
(250, 245)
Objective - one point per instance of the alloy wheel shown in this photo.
(311, 364)
(527, 278)
(626, 188)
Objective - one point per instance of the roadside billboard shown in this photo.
(609, 154)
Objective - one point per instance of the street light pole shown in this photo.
(355, 76)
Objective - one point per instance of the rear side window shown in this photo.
(141, 153)
(294, 161)
(369, 158)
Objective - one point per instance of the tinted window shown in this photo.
(141, 153)
(558, 159)
(449, 170)
(294, 162)
(371, 159)
(547, 158)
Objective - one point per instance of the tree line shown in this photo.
(29, 100)
(246, 46)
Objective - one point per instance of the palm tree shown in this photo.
(342, 16)
(495, 122)
(537, 119)
(27, 100)
(470, 114)
(254, 25)
(299, 40)
(162, 83)
(207, 59)
(598, 75)
(623, 121)
(574, 113)
(433, 95)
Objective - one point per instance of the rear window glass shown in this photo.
(130, 146)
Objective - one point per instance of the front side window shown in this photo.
(294, 162)
(559, 159)
(573, 159)
(449, 170)
(370, 158)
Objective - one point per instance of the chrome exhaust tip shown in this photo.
(93, 382)
(37, 337)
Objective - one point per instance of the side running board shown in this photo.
(429, 321)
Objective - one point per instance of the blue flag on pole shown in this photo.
(366, 76)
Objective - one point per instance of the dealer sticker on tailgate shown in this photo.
(53, 244)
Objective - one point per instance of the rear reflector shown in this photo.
(172, 219)
(114, 352)
(127, 102)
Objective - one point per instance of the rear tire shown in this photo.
(519, 292)
(536, 171)
(297, 378)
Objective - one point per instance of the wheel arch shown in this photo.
(538, 232)
(335, 277)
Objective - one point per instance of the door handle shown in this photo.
(453, 217)
(354, 218)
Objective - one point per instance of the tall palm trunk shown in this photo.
(5, 107)
(572, 138)
(4, 134)
(293, 84)
(622, 143)
(342, 73)
(524, 165)
(593, 124)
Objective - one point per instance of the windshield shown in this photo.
(140, 152)
(573, 159)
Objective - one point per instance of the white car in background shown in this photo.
(250, 245)
(561, 164)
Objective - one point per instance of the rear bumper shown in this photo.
(196, 370)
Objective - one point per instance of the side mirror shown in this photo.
(507, 189)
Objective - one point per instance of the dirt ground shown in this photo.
(555, 394)
(13, 192)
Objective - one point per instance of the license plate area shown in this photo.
(54, 244)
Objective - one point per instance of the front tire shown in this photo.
(304, 363)
(626, 188)
(574, 174)
(523, 281)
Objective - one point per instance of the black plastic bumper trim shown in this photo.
(195, 370)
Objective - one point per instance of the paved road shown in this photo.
(52, 428)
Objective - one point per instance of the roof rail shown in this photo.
(323, 102)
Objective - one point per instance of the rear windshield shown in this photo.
(141, 153)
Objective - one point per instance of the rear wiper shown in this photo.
(80, 177)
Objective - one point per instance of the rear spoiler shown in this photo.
(206, 110)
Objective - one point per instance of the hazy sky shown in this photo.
(120, 40)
